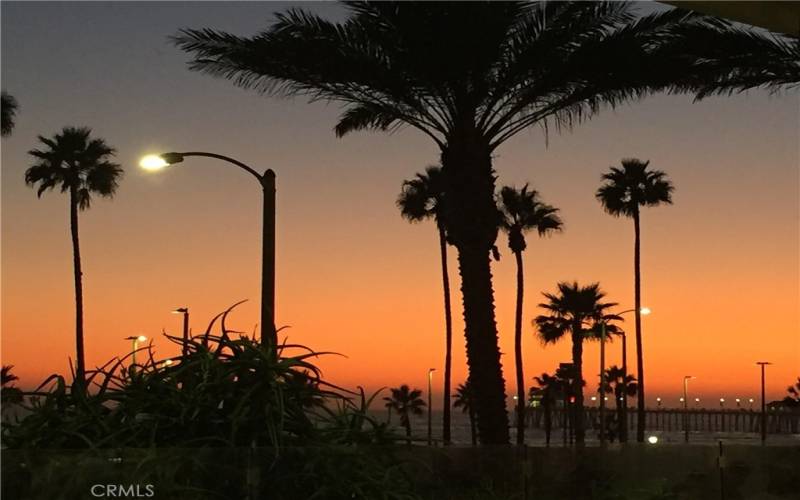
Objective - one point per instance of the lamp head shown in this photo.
(157, 162)
(141, 338)
(180, 310)
(645, 311)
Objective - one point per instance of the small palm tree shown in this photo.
(522, 210)
(9, 395)
(422, 198)
(9, 108)
(405, 402)
(549, 389)
(622, 386)
(464, 400)
(792, 400)
(81, 166)
(624, 192)
(576, 311)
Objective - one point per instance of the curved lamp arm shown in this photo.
(172, 158)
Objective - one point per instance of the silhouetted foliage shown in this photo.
(10, 395)
(463, 398)
(423, 198)
(621, 386)
(792, 400)
(548, 391)
(521, 211)
(81, 166)
(623, 193)
(9, 107)
(406, 403)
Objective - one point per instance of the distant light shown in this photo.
(167, 362)
(658, 399)
(594, 398)
(721, 400)
(681, 400)
(645, 311)
(751, 400)
(516, 398)
(153, 162)
(652, 439)
(141, 338)
(696, 400)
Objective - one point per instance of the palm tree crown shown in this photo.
(575, 310)
(75, 163)
(522, 210)
(9, 107)
(633, 186)
(463, 398)
(405, 402)
(423, 196)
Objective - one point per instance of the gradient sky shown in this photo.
(720, 266)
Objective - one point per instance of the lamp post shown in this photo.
(763, 365)
(185, 345)
(267, 182)
(135, 341)
(430, 403)
(685, 400)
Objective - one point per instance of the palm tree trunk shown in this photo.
(407, 424)
(80, 365)
(518, 352)
(577, 360)
(637, 278)
(548, 424)
(448, 324)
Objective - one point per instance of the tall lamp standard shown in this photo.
(185, 312)
(135, 341)
(686, 379)
(763, 365)
(267, 182)
(430, 403)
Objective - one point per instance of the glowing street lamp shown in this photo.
(658, 402)
(738, 403)
(267, 182)
(185, 312)
(763, 365)
(136, 341)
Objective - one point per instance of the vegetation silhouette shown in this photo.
(464, 399)
(792, 400)
(621, 386)
(423, 65)
(9, 394)
(81, 166)
(548, 390)
(624, 192)
(576, 311)
(423, 198)
(406, 403)
(9, 107)
(522, 210)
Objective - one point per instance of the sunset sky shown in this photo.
(720, 266)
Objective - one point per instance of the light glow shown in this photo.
(645, 311)
(153, 162)
(652, 439)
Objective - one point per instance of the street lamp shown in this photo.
(658, 402)
(267, 182)
(722, 402)
(430, 403)
(185, 312)
(763, 365)
(136, 340)
(685, 400)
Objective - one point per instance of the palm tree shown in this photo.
(9, 107)
(81, 166)
(405, 402)
(792, 399)
(575, 311)
(522, 210)
(622, 386)
(423, 198)
(464, 399)
(469, 76)
(624, 192)
(9, 395)
(549, 389)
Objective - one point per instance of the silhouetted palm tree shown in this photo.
(464, 400)
(549, 389)
(9, 107)
(622, 386)
(522, 210)
(575, 311)
(81, 166)
(405, 402)
(423, 198)
(469, 76)
(624, 192)
(9, 395)
(792, 400)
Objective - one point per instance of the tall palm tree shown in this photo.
(423, 198)
(522, 210)
(469, 76)
(464, 399)
(405, 402)
(576, 311)
(549, 389)
(81, 166)
(9, 107)
(622, 386)
(624, 192)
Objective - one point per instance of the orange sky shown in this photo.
(720, 267)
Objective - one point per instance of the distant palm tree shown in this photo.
(405, 402)
(464, 399)
(522, 210)
(469, 76)
(9, 395)
(622, 386)
(549, 390)
(792, 400)
(423, 198)
(9, 108)
(575, 311)
(625, 191)
(81, 166)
